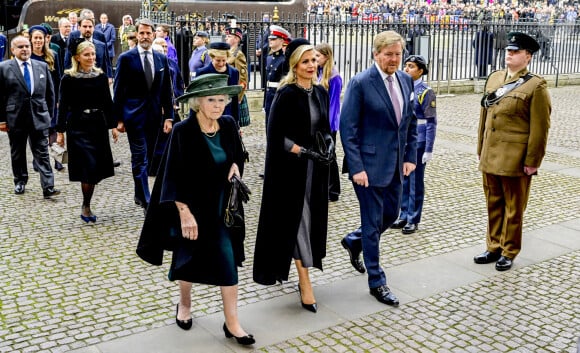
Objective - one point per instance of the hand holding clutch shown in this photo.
(315, 156)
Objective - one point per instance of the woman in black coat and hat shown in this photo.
(295, 178)
(186, 211)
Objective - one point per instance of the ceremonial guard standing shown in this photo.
(512, 138)
(274, 65)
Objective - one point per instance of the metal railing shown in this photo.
(452, 48)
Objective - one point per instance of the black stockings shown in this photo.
(88, 190)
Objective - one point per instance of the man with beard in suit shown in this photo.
(143, 103)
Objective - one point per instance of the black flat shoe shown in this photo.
(244, 340)
(486, 257)
(310, 307)
(183, 324)
(503, 264)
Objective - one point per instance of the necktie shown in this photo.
(147, 69)
(27, 76)
(394, 98)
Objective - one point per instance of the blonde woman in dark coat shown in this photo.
(295, 177)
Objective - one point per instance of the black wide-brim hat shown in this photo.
(210, 85)
(521, 41)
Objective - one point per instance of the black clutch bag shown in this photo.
(239, 192)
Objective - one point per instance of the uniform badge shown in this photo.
(432, 104)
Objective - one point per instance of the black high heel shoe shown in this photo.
(244, 340)
(310, 307)
(183, 324)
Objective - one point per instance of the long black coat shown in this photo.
(284, 185)
(188, 174)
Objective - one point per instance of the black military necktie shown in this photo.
(147, 69)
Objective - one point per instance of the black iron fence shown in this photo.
(456, 50)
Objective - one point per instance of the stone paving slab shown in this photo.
(280, 324)
(65, 285)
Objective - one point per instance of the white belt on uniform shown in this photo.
(273, 84)
(421, 121)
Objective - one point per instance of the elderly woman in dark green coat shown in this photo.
(186, 213)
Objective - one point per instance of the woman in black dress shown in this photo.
(295, 177)
(186, 210)
(85, 108)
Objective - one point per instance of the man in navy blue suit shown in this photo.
(87, 29)
(378, 129)
(109, 32)
(143, 103)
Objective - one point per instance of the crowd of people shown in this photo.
(386, 122)
(444, 11)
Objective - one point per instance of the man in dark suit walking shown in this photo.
(110, 34)
(143, 103)
(379, 132)
(26, 106)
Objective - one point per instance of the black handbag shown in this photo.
(325, 145)
(239, 192)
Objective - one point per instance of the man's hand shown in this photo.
(121, 127)
(530, 170)
(4, 127)
(167, 126)
(427, 156)
(408, 168)
(361, 179)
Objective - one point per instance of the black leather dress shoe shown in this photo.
(410, 228)
(398, 224)
(384, 295)
(355, 260)
(19, 188)
(503, 264)
(486, 257)
(49, 192)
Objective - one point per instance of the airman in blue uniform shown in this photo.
(425, 111)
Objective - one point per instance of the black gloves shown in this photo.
(315, 156)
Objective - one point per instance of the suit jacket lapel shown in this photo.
(379, 85)
(18, 73)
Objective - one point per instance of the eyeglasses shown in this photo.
(23, 46)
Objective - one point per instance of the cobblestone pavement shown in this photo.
(66, 285)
